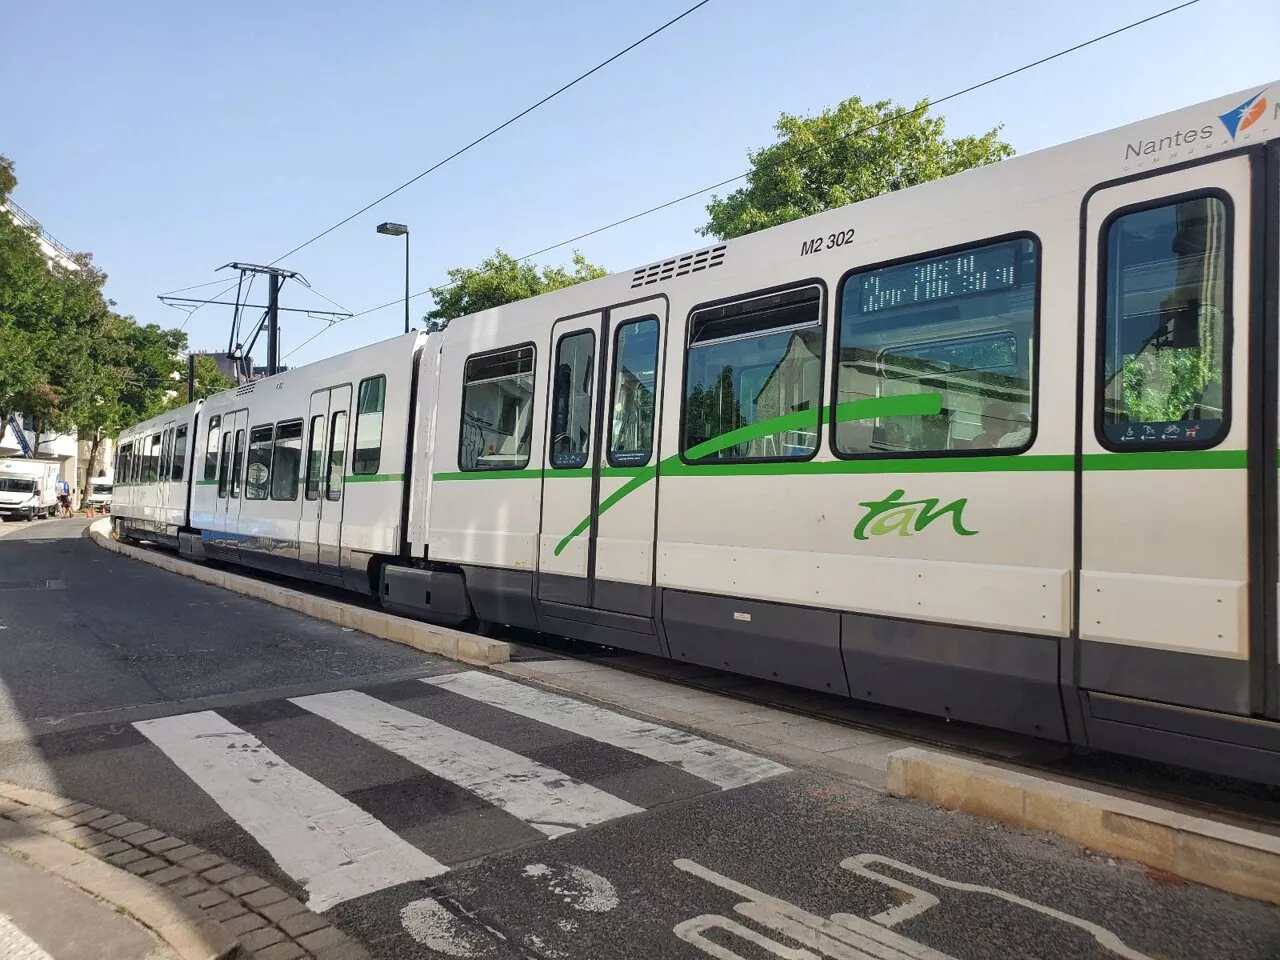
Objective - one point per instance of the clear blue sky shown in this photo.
(170, 138)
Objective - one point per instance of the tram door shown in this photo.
(1166, 584)
(320, 529)
(599, 493)
(230, 461)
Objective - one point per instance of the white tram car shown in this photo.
(999, 447)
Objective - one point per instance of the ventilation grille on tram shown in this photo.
(245, 389)
(689, 263)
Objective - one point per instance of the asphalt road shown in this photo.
(116, 677)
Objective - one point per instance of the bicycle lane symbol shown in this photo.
(846, 936)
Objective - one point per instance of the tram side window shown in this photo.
(124, 463)
(211, 450)
(153, 458)
(315, 457)
(497, 411)
(257, 469)
(224, 464)
(286, 461)
(337, 455)
(635, 372)
(138, 463)
(1165, 326)
(372, 397)
(936, 355)
(571, 399)
(166, 455)
(237, 461)
(179, 453)
(753, 379)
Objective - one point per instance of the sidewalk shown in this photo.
(44, 918)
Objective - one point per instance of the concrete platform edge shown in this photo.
(451, 644)
(1217, 855)
(180, 925)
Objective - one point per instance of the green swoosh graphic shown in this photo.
(913, 405)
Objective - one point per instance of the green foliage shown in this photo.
(66, 357)
(1163, 385)
(856, 151)
(501, 279)
(209, 379)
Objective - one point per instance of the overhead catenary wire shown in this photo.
(900, 115)
(459, 152)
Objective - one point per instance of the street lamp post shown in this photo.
(400, 230)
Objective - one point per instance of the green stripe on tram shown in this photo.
(870, 408)
(374, 478)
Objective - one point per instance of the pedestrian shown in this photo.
(64, 499)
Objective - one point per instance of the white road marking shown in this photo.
(328, 844)
(542, 797)
(579, 887)
(856, 939)
(433, 926)
(724, 766)
(858, 865)
(16, 945)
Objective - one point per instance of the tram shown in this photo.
(999, 447)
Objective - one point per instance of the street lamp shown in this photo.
(400, 230)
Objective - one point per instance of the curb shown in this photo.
(1219, 855)
(451, 644)
(202, 906)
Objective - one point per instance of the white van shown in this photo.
(28, 488)
(100, 494)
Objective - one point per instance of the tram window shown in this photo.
(571, 399)
(315, 457)
(153, 458)
(372, 397)
(237, 461)
(257, 468)
(166, 455)
(337, 455)
(224, 464)
(635, 370)
(753, 379)
(497, 411)
(211, 449)
(179, 453)
(1165, 325)
(936, 354)
(138, 464)
(124, 463)
(286, 460)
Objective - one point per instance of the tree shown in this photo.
(209, 379)
(856, 151)
(502, 279)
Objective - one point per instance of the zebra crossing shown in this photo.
(337, 851)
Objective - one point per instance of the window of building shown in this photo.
(179, 453)
(315, 457)
(153, 458)
(936, 354)
(237, 461)
(1166, 325)
(286, 461)
(257, 468)
(337, 455)
(211, 449)
(571, 399)
(635, 378)
(753, 379)
(497, 411)
(371, 398)
(224, 464)
(166, 454)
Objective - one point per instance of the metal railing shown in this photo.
(28, 220)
